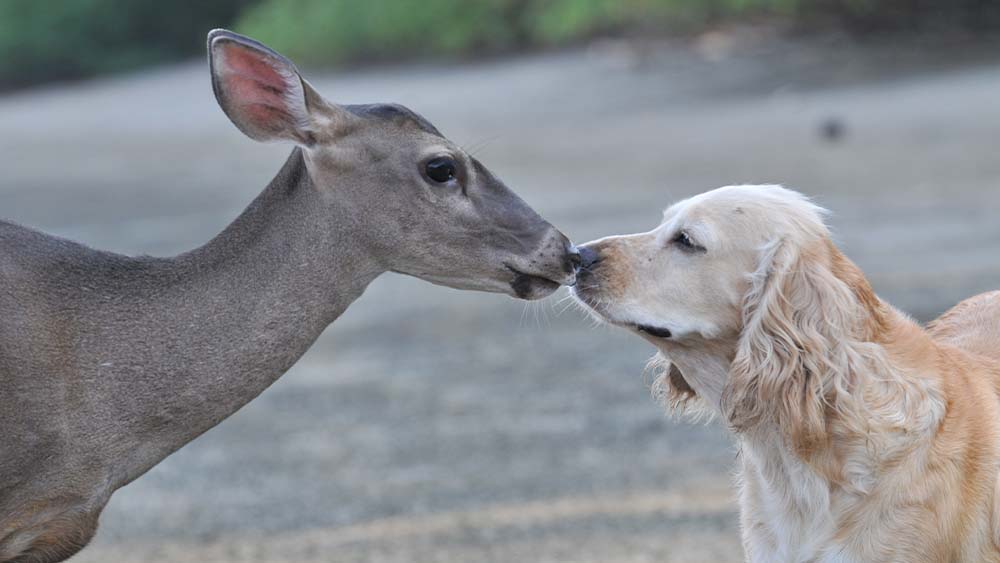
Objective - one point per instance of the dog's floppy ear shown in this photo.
(793, 359)
(673, 391)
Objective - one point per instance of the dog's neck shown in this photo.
(769, 470)
(791, 499)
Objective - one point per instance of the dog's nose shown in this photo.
(588, 257)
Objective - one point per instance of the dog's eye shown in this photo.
(683, 240)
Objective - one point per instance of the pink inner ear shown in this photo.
(252, 64)
(256, 87)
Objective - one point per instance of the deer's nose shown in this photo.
(573, 255)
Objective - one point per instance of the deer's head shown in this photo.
(426, 208)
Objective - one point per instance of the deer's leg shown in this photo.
(57, 538)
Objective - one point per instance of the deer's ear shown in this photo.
(261, 91)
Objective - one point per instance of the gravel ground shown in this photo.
(434, 425)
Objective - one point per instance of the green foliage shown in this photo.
(42, 40)
(59, 39)
(322, 31)
(325, 31)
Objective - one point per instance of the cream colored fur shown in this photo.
(862, 436)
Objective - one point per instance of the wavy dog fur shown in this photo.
(863, 436)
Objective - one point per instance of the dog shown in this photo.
(862, 436)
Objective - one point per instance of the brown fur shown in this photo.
(46, 531)
(863, 436)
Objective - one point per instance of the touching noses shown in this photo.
(574, 257)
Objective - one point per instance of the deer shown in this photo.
(110, 363)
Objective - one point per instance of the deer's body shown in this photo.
(109, 363)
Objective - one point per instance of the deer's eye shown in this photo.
(441, 169)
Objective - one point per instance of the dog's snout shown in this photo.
(588, 257)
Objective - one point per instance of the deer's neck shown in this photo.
(228, 319)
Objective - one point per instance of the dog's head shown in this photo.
(754, 310)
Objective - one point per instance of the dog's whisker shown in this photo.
(566, 306)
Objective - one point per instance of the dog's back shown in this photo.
(974, 326)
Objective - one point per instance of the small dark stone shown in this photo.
(832, 129)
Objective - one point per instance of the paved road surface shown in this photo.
(434, 425)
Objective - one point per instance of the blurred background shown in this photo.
(434, 425)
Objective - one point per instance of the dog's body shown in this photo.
(918, 484)
(863, 436)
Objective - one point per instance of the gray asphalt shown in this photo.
(434, 425)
